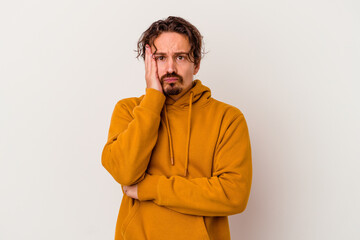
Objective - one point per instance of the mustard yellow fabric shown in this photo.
(191, 159)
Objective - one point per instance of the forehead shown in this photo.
(170, 42)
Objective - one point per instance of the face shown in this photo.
(175, 69)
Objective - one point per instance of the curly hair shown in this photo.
(173, 24)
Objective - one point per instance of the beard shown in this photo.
(173, 88)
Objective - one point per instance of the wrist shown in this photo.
(155, 87)
(147, 188)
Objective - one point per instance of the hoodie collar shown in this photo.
(201, 95)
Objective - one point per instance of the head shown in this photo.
(177, 47)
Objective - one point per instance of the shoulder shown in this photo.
(228, 111)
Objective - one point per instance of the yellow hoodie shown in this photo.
(191, 159)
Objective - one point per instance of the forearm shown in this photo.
(128, 150)
(216, 196)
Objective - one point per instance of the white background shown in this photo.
(292, 68)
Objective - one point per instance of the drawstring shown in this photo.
(188, 134)
(169, 136)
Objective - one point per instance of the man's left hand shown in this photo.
(131, 191)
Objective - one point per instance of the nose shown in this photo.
(171, 66)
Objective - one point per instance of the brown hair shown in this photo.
(173, 24)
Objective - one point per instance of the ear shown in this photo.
(196, 68)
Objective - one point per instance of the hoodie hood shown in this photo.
(197, 96)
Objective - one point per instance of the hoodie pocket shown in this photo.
(151, 221)
(130, 216)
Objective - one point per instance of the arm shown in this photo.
(132, 137)
(225, 193)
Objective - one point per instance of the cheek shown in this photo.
(188, 72)
(161, 70)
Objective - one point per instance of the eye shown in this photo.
(180, 57)
(160, 58)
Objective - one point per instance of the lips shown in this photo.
(169, 80)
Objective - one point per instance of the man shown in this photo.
(183, 159)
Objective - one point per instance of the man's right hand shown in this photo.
(151, 71)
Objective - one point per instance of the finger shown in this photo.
(155, 69)
(147, 59)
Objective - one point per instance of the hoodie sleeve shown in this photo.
(132, 137)
(223, 194)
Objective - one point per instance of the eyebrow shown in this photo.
(177, 53)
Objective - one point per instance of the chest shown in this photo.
(201, 144)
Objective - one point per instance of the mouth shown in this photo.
(170, 80)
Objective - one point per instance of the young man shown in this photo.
(183, 159)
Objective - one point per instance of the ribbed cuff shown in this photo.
(147, 188)
(153, 100)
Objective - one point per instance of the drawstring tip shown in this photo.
(172, 161)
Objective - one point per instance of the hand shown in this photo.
(151, 71)
(131, 191)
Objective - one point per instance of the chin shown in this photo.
(172, 88)
(173, 91)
